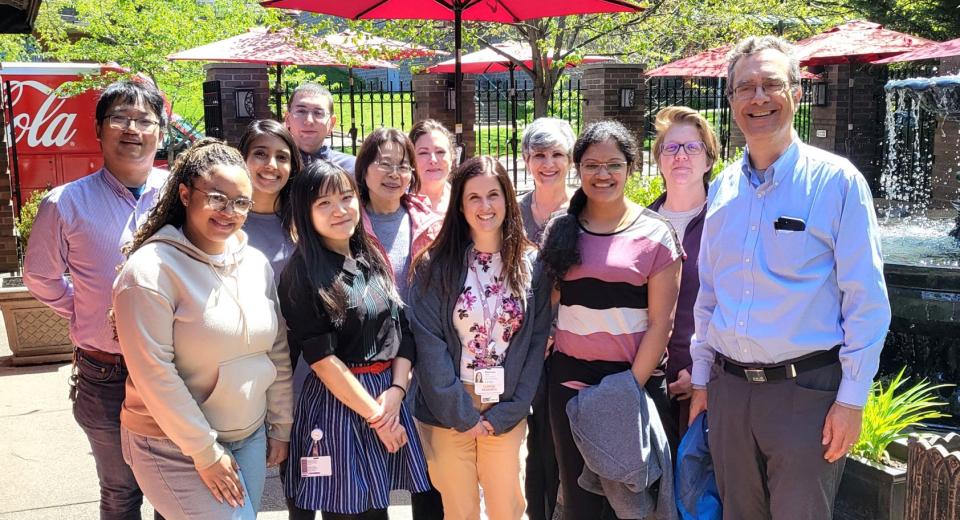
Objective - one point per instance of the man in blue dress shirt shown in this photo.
(792, 310)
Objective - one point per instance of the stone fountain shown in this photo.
(921, 231)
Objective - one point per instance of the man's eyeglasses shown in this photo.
(303, 113)
(691, 148)
(748, 90)
(220, 202)
(123, 122)
(387, 167)
(613, 167)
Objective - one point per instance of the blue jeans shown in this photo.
(99, 394)
(173, 485)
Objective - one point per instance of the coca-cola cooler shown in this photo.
(53, 139)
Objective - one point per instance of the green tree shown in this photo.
(933, 19)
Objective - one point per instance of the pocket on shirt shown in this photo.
(790, 252)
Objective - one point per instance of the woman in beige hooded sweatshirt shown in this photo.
(209, 397)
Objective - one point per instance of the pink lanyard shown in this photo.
(488, 320)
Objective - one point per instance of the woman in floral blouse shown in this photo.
(480, 314)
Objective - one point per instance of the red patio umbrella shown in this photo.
(859, 41)
(711, 63)
(928, 52)
(488, 60)
(271, 48)
(504, 11)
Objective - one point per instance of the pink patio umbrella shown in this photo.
(488, 60)
(503, 11)
(271, 48)
(932, 51)
(710, 63)
(859, 41)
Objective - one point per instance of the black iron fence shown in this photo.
(503, 113)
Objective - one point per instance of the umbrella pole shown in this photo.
(353, 119)
(277, 93)
(458, 103)
(512, 106)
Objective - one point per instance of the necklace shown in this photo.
(541, 216)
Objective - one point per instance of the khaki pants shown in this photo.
(457, 463)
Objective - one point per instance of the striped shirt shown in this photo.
(79, 229)
(603, 300)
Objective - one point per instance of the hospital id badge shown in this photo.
(315, 466)
(488, 384)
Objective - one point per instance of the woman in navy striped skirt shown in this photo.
(353, 440)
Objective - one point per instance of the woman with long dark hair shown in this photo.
(353, 440)
(208, 404)
(616, 268)
(481, 316)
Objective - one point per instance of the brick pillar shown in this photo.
(430, 102)
(234, 76)
(851, 131)
(601, 84)
(8, 242)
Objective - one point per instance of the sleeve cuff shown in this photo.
(208, 456)
(700, 375)
(853, 393)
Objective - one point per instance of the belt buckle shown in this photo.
(755, 375)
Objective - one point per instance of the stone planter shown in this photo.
(36, 334)
(870, 491)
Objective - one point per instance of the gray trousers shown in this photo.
(765, 440)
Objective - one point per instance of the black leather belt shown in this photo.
(787, 370)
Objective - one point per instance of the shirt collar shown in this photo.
(322, 153)
(776, 171)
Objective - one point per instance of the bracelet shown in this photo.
(402, 389)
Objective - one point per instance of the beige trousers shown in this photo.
(457, 463)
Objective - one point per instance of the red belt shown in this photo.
(377, 367)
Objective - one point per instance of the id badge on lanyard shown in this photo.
(315, 465)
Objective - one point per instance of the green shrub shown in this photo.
(644, 189)
(24, 224)
(890, 411)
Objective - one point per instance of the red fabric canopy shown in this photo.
(708, 64)
(928, 52)
(259, 45)
(505, 11)
(859, 41)
(487, 60)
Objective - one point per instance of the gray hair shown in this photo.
(547, 132)
(310, 89)
(755, 44)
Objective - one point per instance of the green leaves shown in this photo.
(890, 411)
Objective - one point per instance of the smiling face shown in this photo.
(603, 185)
(204, 227)
(549, 166)
(765, 120)
(484, 205)
(386, 186)
(682, 171)
(310, 120)
(129, 151)
(335, 216)
(269, 162)
(433, 157)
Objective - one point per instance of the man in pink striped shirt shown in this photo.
(79, 230)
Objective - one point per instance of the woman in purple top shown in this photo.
(686, 150)
(616, 270)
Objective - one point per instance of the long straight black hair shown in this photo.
(328, 281)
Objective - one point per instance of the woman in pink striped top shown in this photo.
(616, 269)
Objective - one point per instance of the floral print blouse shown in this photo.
(483, 348)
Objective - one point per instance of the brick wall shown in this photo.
(233, 76)
(600, 86)
(851, 124)
(430, 102)
(8, 242)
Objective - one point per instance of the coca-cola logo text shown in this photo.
(48, 126)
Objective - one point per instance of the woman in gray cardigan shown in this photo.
(480, 314)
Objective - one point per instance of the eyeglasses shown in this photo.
(748, 90)
(123, 122)
(613, 167)
(402, 168)
(220, 202)
(691, 148)
(303, 113)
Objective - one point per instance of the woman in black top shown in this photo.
(343, 311)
